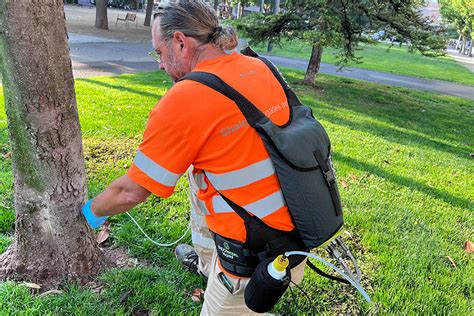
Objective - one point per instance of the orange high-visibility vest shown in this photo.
(193, 124)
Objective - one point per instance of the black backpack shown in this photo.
(300, 151)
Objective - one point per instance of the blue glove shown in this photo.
(94, 221)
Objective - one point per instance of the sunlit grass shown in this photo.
(404, 158)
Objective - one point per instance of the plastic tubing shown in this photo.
(157, 243)
(354, 283)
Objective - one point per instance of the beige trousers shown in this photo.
(218, 299)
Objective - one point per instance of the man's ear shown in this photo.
(180, 39)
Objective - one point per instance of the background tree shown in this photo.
(276, 9)
(344, 24)
(149, 10)
(101, 20)
(52, 240)
(461, 14)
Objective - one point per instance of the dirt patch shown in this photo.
(118, 257)
(81, 20)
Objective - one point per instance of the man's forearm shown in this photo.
(122, 195)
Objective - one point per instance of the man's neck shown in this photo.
(206, 52)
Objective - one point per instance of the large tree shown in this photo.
(101, 20)
(461, 14)
(52, 240)
(343, 24)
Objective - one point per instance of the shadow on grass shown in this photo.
(122, 88)
(436, 116)
(403, 181)
(394, 135)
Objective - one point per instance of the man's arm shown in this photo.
(119, 197)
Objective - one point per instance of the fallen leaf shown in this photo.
(387, 162)
(7, 155)
(198, 295)
(124, 297)
(452, 262)
(32, 285)
(348, 234)
(50, 292)
(98, 289)
(104, 233)
(397, 150)
(454, 174)
(352, 176)
(344, 184)
(469, 246)
(132, 262)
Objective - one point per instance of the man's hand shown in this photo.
(94, 221)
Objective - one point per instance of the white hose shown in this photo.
(354, 283)
(157, 243)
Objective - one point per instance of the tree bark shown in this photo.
(262, 3)
(149, 9)
(52, 240)
(276, 9)
(463, 46)
(469, 53)
(216, 5)
(101, 21)
(313, 65)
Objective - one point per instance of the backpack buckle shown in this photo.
(330, 177)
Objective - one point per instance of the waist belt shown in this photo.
(241, 259)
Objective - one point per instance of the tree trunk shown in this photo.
(101, 21)
(270, 46)
(469, 53)
(313, 65)
(276, 9)
(458, 43)
(149, 9)
(52, 240)
(239, 12)
(216, 6)
(262, 3)
(463, 46)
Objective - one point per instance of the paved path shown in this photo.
(93, 56)
(438, 86)
(464, 60)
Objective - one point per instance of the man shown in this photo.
(193, 125)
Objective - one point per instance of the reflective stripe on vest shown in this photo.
(199, 178)
(260, 208)
(155, 171)
(242, 177)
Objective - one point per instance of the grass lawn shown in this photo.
(405, 172)
(397, 60)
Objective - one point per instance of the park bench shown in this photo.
(129, 17)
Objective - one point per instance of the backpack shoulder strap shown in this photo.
(251, 112)
(290, 95)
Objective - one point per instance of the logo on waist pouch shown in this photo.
(225, 251)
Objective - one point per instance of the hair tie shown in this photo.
(214, 34)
